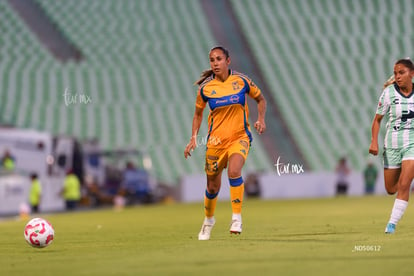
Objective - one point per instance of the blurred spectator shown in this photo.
(135, 185)
(94, 194)
(113, 179)
(92, 191)
(71, 190)
(7, 161)
(370, 177)
(35, 193)
(251, 185)
(342, 171)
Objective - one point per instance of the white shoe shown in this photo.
(205, 231)
(235, 227)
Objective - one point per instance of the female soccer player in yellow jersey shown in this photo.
(229, 136)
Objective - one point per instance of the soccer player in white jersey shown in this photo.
(397, 103)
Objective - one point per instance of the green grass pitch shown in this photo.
(337, 236)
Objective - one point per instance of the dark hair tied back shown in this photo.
(224, 50)
(406, 62)
(207, 73)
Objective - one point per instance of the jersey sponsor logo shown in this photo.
(213, 92)
(237, 98)
(409, 114)
(403, 123)
(234, 99)
(221, 101)
(398, 101)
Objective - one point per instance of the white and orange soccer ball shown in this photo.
(39, 233)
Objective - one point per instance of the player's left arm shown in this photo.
(260, 124)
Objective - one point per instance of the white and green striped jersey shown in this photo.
(400, 112)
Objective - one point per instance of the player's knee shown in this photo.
(391, 191)
(391, 187)
(213, 184)
(404, 185)
(213, 189)
(234, 173)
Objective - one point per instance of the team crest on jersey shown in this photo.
(235, 85)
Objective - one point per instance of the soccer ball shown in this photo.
(39, 233)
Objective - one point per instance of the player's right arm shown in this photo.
(200, 104)
(197, 120)
(382, 108)
(376, 124)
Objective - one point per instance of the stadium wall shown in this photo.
(14, 193)
(289, 186)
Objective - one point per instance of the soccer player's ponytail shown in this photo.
(204, 75)
(207, 73)
(390, 81)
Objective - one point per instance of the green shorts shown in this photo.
(394, 157)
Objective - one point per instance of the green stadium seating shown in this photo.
(326, 61)
(140, 61)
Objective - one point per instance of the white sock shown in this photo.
(209, 220)
(236, 217)
(398, 210)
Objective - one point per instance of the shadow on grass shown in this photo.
(45, 251)
(299, 237)
(318, 234)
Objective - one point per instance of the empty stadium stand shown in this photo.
(326, 61)
(133, 87)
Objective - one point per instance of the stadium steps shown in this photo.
(45, 30)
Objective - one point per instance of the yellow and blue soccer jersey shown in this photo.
(228, 118)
